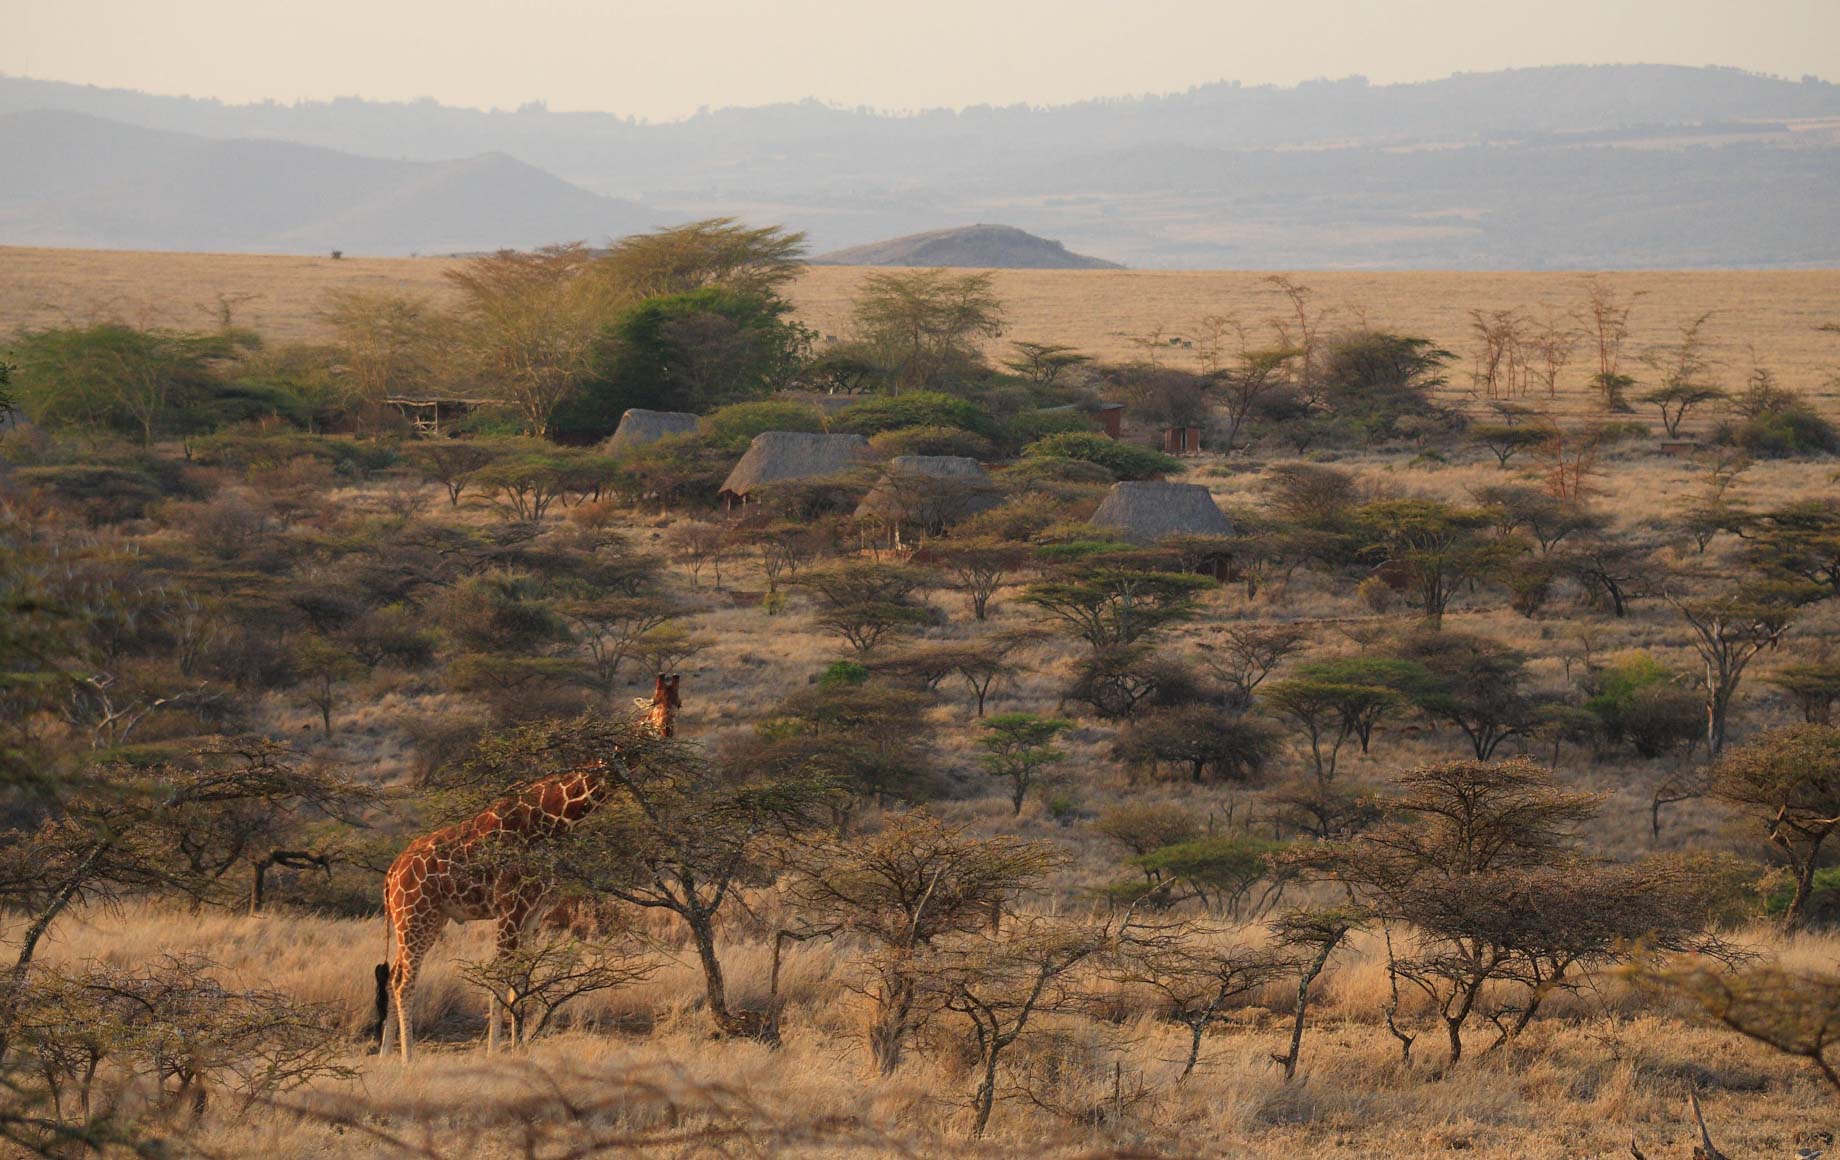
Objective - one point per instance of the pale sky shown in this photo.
(660, 60)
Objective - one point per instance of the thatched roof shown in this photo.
(639, 427)
(775, 456)
(1147, 512)
(930, 490)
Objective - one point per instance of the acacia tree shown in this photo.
(1729, 630)
(1043, 362)
(386, 343)
(1683, 368)
(1605, 318)
(1242, 656)
(1800, 540)
(1109, 607)
(901, 890)
(924, 324)
(613, 628)
(715, 252)
(1193, 971)
(1240, 389)
(674, 833)
(980, 566)
(1309, 937)
(532, 323)
(867, 603)
(1018, 747)
(452, 462)
(1437, 549)
(1335, 700)
(1440, 864)
(147, 830)
(999, 984)
(1790, 779)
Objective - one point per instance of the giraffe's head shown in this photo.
(665, 702)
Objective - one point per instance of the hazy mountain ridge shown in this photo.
(1642, 165)
(983, 246)
(80, 180)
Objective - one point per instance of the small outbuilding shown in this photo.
(1151, 511)
(928, 493)
(639, 427)
(778, 456)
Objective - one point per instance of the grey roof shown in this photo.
(1146, 512)
(930, 489)
(776, 456)
(639, 427)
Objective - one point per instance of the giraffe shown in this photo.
(456, 875)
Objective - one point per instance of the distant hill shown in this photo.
(77, 180)
(1546, 168)
(982, 246)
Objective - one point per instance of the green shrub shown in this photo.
(108, 493)
(733, 427)
(1123, 460)
(931, 441)
(1794, 430)
(1823, 902)
(248, 450)
(915, 409)
(843, 673)
(1028, 426)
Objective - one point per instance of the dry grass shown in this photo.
(1595, 1072)
(1775, 314)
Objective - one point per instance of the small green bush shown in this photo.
(733, 427)
(1029, 426)
(1823, 901)
(915, 409)
(1794, 430)
(931, 441)
(843, 673)
(1121, 459)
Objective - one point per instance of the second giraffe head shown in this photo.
(665, 702)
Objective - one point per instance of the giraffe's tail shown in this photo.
(382, 973)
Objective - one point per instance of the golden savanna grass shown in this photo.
(1771, 318)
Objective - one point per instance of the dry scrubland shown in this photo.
(1771, 317)
(1601, 1065)
(638, 1065)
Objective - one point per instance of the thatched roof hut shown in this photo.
(776, 456)
(1148, 512)
(639, 427)
(929, 492)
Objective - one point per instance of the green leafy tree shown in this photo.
(1110, 607)
(901, 890)
(716, 253)
(1435, 548)
(1788, 779)
(924, 326)
(1335, 701)
(690, 351)
(118, 377)
(1730, 629)
(867, 603)
(1042, 363)
(531, 324)
(1123, 460)
(1019, 748)
(1505, 441)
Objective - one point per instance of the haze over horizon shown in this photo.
(576, 55)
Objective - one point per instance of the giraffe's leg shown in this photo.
(402, 993)
(510, 938)
(415, 935)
